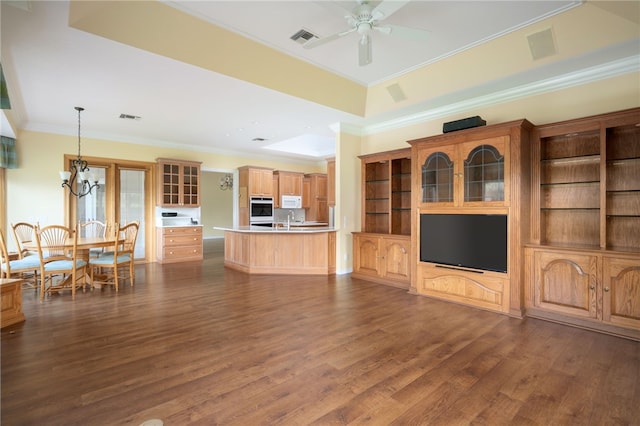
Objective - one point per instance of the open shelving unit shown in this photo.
(584, 255)
(382, 250)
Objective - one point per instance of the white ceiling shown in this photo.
(51, 67)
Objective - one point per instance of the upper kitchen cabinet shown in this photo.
(178, 183)
(289, 183)
(317, 199)
(286, 183)
(258, 181)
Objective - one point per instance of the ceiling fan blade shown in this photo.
(410, 33)
(387, 8)
(320, 41)
(364, 51)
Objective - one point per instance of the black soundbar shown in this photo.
(465, 123)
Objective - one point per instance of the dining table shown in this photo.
(83, 249)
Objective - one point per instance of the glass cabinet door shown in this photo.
(484, 175)
(437, 178)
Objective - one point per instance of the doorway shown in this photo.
(124, 195)
(218, 202)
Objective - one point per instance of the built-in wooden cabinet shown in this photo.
(286, 183)
(588, 288)
(480, 171)
(585, 245)
(331, 182)
(382, 258)
(252, 182)
(386, 192)
(382, 251)
(318, 209)
(178, 183)
(299, 253)
(306, 192)
(258, 181)
(466, 174)
(179, 244)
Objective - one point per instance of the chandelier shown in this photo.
(79, 172)
(226, 182)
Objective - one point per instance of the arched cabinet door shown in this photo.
(484, 165)
(438, 177)
(471, 173)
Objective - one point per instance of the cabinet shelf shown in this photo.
(594, 158)
(575, 183)
(386, 185)
(569, 208)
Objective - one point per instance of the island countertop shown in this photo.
(278, 230)
(266, 250)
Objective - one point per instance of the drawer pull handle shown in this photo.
(606, 289)
(592, 287)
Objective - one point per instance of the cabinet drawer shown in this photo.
(181, 240)
(183, 253)
(183, 230)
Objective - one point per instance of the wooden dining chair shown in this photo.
(111, 268)
(93, 228)
(60, 266)
(23, 235)
(26, 267)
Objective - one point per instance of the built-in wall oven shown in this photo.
(261, 211)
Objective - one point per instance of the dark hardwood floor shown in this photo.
(198, 344)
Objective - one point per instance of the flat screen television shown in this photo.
(477, 241)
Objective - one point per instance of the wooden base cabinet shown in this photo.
(179, 244)
(284, 252)
(11, 301)
(382, 258)
(584, 250)
(483, 290)
(589, 289)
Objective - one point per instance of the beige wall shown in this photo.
(216, 205)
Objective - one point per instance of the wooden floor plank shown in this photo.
(200, 344)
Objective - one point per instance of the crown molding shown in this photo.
(584, 76)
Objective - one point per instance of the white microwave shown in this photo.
(291, 202)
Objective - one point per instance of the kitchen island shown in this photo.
(296, 250)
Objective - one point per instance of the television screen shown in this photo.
(475, 241)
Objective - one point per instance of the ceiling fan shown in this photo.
(364, 19)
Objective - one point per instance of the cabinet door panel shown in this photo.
(621, 292)
(566, 283)
(396, 259)
(367, 255)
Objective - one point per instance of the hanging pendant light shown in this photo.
(79, 172)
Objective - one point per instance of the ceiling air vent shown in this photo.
(258, 139)
(129, 117)
(303, 36)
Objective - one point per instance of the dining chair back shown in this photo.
(26, 268)
(90, 229)
(118, 264)
(23, 235)
(130, 233)
(60, 266)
